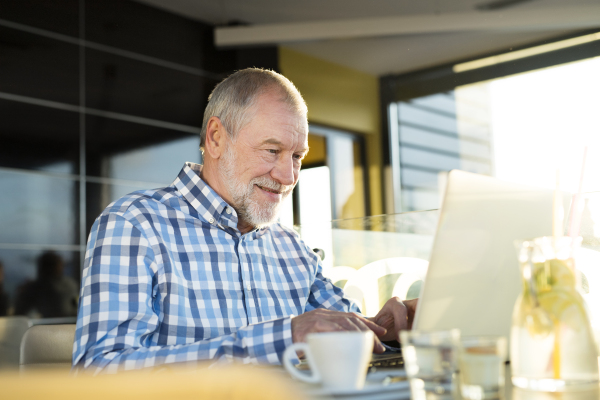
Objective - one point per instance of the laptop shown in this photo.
(473, 279)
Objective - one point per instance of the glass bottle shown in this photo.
(552, 344)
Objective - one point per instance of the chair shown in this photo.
(47, 347)
(12, 330)
(363, 285)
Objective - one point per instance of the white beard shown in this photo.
(248, 208)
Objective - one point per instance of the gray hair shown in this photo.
(234, 98)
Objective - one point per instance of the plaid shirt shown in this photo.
(169, 278)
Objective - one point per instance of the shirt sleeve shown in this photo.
(324, 294)
(118, 316)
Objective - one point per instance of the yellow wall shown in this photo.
(343, 98)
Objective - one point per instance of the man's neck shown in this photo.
(212, 181)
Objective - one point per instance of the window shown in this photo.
(518, 121)
(332, 180)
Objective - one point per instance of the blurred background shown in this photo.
(99, 98)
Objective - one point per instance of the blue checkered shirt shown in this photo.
(169, 278)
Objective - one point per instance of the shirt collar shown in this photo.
(203, 198)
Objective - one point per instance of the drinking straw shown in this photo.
(576, 211)
(557, 210)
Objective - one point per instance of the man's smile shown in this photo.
(266, 189)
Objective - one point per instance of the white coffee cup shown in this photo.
(338, 360)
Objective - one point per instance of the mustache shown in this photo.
(271, 184)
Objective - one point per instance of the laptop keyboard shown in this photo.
(383, 361)
(378, 362)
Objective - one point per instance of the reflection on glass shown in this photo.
(52, 294)
(137, 152)
(38, 209)
(158, 163)
(438, 133)
(4, 298)
(374, 258)
(40, 283)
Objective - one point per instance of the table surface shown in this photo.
(511, 393)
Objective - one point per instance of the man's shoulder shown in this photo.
(140, 200)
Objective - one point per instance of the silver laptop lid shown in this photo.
(473, 278)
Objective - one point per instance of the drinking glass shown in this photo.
(481, 365)
(430, 359)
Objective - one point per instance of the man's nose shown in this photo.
(284, 171)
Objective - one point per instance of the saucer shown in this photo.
(380, 385)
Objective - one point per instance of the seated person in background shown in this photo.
(200, 270)
(51, 294)
(3, 294)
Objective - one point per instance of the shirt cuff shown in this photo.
(287, 336)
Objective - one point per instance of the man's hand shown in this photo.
(395, 315)
(321, 320)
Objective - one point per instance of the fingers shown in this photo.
(377, 329)
(411, 307)
(322, 320)
(396, 315)
(377, 346)
(400, 318)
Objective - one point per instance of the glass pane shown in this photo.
(414, 199)
(36, 66)
(418, 137)
(127, 86)
(147, 30)
(317, 154)
(374, 258)
(349, 181)
(427, 118)
(438, 133)
(40, 283)
(315, 195)
(542, 120)
(519, 128)
(415, 178)
(38, 209)
(57, 16)
(39, 138)
(137, 152)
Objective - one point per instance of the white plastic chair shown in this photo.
(340, 273)
(363, 286)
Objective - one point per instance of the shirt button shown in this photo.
(228, 210)
(248, 287)
(211, 220)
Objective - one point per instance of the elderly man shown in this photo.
(200, 270)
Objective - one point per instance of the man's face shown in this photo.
(261, 167)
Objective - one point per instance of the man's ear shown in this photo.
(214, 144)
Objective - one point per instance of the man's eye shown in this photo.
(272, 151)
